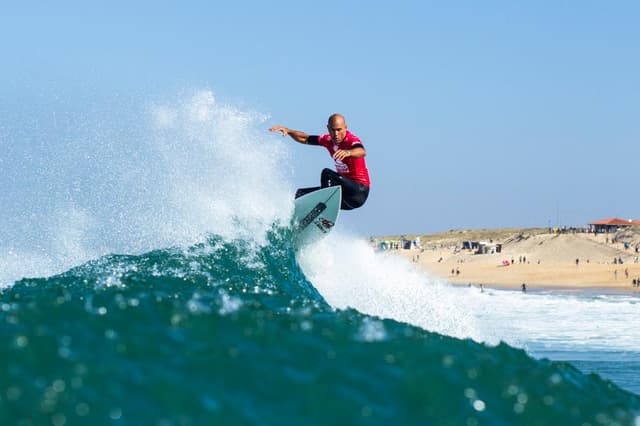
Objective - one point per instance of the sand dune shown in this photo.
(538, 258)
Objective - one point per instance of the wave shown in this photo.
(227, 331)
(170, 293)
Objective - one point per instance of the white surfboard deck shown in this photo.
(315, 214)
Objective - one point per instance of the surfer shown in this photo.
(348, 153)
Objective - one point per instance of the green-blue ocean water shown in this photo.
(227, 332)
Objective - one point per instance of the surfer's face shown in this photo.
(338, 130)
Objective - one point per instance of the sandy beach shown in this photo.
(538, 258)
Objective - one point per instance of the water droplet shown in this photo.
(82, 409)
(447, 360)
(470, 393)
(22, 341)
(479, 405)
(472, 373)
(115, 413)
(59, 386)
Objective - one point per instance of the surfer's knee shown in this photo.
(327, 173)
(355, 199)
(329, 178)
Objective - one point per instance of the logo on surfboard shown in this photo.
(315, 215)
(324, 224)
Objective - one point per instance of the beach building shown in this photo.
(611, 225)
(482, 247)
(488, 248)
(470, 245)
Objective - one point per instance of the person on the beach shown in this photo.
(348, 153)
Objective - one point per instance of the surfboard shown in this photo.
(315, 214)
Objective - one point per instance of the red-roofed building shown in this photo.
(612, 224)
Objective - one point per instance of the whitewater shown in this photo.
(117, 209)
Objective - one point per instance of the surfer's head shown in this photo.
(337, 127)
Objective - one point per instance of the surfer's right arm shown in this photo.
(296, 135)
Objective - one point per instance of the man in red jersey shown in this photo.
(348, 153)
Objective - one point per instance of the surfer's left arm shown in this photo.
(357, 152)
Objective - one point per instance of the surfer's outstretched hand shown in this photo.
(296, 135)
(280, 129)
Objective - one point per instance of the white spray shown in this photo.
(165, 174)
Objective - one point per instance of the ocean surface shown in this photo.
(141, 285)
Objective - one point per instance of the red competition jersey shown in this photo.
(353, 168)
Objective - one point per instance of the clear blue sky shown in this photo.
(474, 114)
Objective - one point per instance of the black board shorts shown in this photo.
(354, 194)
